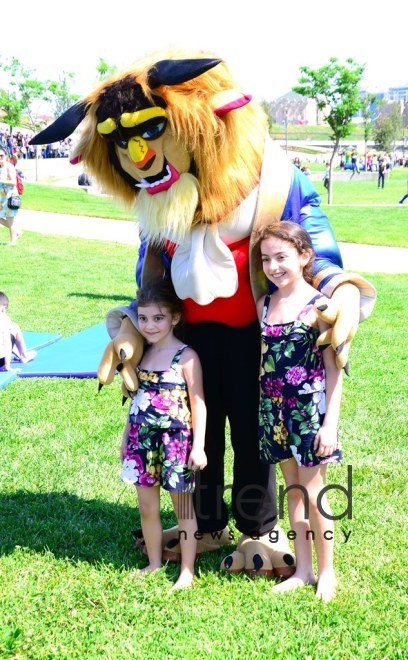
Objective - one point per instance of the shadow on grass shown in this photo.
(79, 530)
(96, 296)
(70, 527)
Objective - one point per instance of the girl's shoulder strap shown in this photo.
(178, 354)
(265, 309)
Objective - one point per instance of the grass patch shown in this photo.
(369, 225)
(306, 132)
(362, 190)
(66, 554)
(74, 201)
(68, 284)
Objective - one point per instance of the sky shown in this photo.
(264, 42)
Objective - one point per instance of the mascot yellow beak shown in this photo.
(140, 153)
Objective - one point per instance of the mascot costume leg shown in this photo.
(175, 137)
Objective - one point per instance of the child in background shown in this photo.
(300, 398)
(8, 187)
(163, 440)
(11, 339)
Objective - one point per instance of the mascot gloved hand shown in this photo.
(124, 351)
(343, 311)
(269, 556)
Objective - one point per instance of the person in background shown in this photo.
(8, 187)
(84, 180)
(354, 163)
(11, 339)
(405, 196)
(326, 177)
(381, 173)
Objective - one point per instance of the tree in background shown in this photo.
(105, 70)
(17, 101)
(267, 108)
(367, 106)
(24, 88)
(388, 127)
(335, 88)
(60, 93)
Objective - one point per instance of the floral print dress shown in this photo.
(292, 399)
(160, 434)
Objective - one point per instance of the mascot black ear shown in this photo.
(175, 72)
(63, 126)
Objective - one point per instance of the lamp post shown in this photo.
(286, 110)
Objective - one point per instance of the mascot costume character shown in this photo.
(174, 136)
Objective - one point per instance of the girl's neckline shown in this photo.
(280, 325)
(296, 320)
(172, 363)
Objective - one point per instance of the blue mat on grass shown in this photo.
(77, 356)
(6, 377)
(36, 340)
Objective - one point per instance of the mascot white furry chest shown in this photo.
(176, 137)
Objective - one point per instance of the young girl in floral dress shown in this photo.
(163, 440)
(300, 398)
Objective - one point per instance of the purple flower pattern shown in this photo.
(296, 375)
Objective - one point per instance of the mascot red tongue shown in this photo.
(176, 137)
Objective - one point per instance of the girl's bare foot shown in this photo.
(150, 568)
(294, 582)
(28, 357)
(326, 586)
(185, 580)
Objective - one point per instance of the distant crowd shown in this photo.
(356, 162)
(18, 144)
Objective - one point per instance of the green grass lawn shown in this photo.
(74, 201)
(309, 132)
(370, 225)
(361, 190)
(375, 225)
(67, 560)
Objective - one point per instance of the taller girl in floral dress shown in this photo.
(163, 440)
(299, 399)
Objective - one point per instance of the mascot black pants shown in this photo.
(230, 359)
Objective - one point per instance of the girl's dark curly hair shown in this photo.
(160, 293)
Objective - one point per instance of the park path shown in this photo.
(356, 257)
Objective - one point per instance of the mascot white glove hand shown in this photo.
(122, 355)
(342, 312)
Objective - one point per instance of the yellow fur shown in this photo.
(170, 212)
